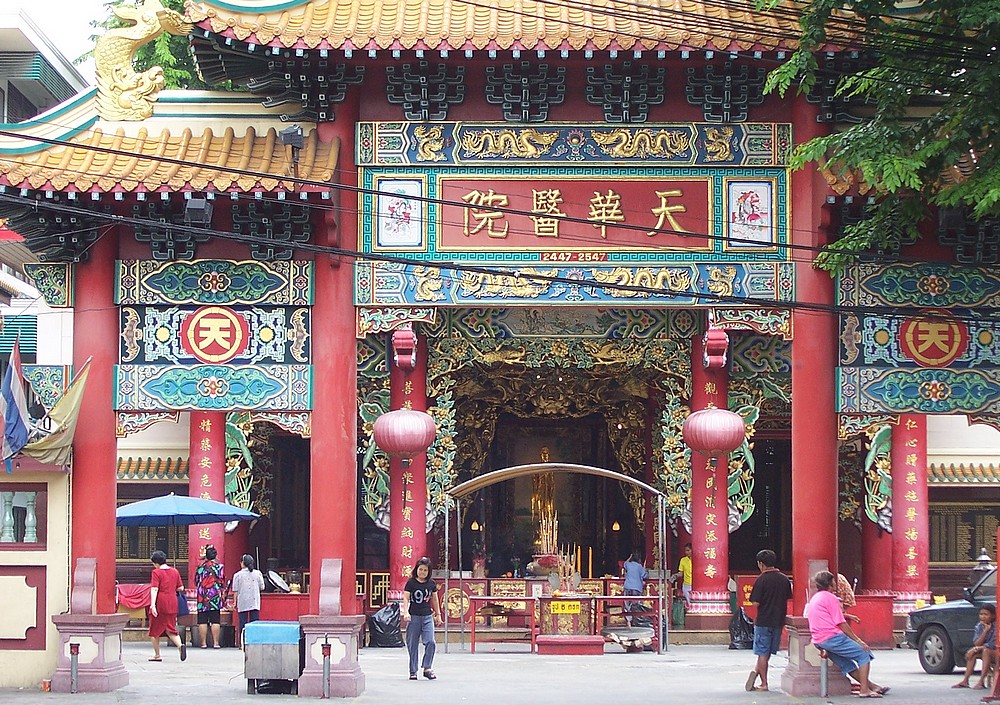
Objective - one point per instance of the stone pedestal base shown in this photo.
(100, 668)
(346, 677)
(802, 676)
(707, 622)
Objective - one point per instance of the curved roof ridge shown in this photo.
(525, 24)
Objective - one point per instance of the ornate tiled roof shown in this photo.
(962, 474)
(136, 162)
(510, 24)
(159, 469)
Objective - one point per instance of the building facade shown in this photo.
(556, 232)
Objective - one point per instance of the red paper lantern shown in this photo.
(714, 432)
(404, 433)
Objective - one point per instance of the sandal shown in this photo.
(156, 658)
(870, 694)
(429, 674)
(883, 690)
(184, 652)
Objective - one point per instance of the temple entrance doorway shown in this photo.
(593, 512)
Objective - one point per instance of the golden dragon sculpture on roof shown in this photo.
(122, 92)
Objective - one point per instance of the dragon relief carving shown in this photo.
(642, 143)
(523, 144)
(662, 279)
(430, 143)
(717, 144)
(507, 286)
(429, 283)
(721, 280)
(122, 92)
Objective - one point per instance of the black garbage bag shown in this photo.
(383, 627)
(741, 631)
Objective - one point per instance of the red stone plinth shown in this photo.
(346, 677)
(100, 668)
(801, 676)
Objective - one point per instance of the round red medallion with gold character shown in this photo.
(214, 334)
(934, 339)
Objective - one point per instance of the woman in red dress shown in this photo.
(165, 583)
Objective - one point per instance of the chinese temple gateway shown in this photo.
(558, 228)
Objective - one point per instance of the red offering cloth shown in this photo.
(133, 596)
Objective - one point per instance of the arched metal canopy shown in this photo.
(491, 478)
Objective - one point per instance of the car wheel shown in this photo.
(936, 655)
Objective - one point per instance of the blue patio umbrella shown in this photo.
(178, 510)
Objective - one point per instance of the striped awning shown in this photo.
(24, 329)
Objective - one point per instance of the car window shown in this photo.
(988, 588)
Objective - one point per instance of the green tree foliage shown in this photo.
(169, 51)
(930, 83)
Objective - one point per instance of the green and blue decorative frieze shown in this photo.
(953, 338)
(47, 381)
(868, 390)
(238, 335)
(214, 282)
(927, 285)
(54, 281)
(213, 387)
(592, 323)
(760, 356)
(572, 144)
(683, 284)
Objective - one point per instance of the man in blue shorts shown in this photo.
(770, 595)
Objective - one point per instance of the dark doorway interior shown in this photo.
(770, 525)
(287, 528)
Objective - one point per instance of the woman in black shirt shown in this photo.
(420, 614)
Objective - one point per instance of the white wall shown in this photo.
(951, 440)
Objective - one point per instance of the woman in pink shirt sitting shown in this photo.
(831, 633)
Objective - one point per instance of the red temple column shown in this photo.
(206, 479)
(876, 554)
(333, 499)
(407, 484)
(910, 522)
(815, 496)
(709, 504)
(95, 448)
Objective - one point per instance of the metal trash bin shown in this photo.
(271, 651)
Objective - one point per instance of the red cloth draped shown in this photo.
(133, 596)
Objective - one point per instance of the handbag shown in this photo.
(182, 605)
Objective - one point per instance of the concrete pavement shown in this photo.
(500, 674)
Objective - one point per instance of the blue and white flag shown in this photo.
(14, 405)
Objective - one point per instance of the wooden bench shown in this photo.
(570, 644)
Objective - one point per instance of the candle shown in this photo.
(579, 555)
(590, 561)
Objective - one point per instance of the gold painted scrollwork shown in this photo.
(625, 143)
(430, 143)
(506, 286)
(721, 280)
(659, 279)
(429, 283)
(718, 146)
(509, 143)
(122, 92)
